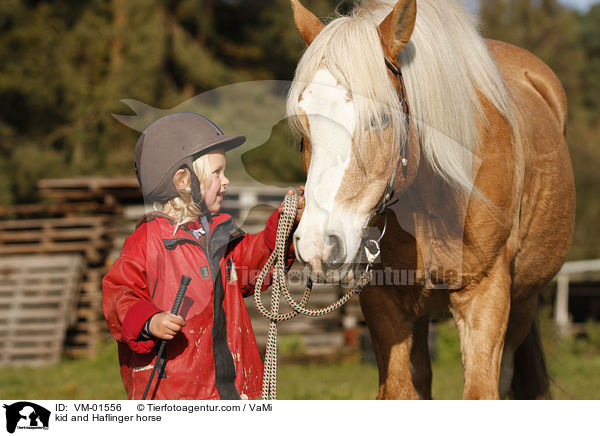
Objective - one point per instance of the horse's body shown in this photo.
(483, 253)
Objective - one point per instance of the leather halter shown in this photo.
(385, 201)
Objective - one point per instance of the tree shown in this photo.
(547, 29)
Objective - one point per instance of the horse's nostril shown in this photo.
(336, 250)
(297, 250)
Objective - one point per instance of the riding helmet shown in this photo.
(173, 142)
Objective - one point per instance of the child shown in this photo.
(211, 349)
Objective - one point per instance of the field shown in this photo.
(574, 366)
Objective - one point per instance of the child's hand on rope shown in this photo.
(165, 325)
(301, 204)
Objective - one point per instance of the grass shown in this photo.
(72, 379)
(574, 366)
(574, 363)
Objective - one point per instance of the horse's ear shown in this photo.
(307, 23)
(398, 26)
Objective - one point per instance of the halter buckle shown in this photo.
(372, 251)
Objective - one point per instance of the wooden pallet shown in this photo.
(90, 235)
(60, 210)
(89, 326)
(37, 299)
(103, 190)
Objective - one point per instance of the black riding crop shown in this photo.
(160, 356)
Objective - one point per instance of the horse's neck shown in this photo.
(433, 196)
(434, 214)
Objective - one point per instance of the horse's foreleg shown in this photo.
(481, 313)
(420, 367)
(391, 332)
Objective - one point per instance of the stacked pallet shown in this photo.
(88, 236)
(105, 192)
(37, 298)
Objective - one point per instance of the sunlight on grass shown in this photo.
(574, 367)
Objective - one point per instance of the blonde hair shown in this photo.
(183, 209)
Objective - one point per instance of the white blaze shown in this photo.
(330, 115)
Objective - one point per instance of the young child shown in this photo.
(211, 349)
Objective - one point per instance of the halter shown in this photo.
(385, 201)
(402, 159)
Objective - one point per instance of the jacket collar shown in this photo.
(222, 230)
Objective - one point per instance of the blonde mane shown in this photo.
(445, 65)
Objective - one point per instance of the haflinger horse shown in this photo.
(459, 143)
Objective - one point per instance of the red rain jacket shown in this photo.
(215, 355)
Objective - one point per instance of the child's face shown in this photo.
(213, 194)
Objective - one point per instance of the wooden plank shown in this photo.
(27, 327)
(31, 288)
(66, 222)
(31, 347)
(52, 234)
(91, 182)
(39, 262)
(36, 337)
(55, 247)
(35, 275)
(37, 301)
(91, 250)
(99, 239)
(44, 210)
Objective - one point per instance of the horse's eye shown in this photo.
(385, 121)
(302, 144)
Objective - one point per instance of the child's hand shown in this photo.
(301, 204)
(165, 325)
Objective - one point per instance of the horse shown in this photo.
(453, 146)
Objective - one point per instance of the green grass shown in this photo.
(574, 363)
(574, 367)
(72, 379)
(351, 380)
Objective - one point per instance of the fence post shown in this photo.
(561, 313)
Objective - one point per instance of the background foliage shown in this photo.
(66, 65)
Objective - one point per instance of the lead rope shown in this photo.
(277, 260)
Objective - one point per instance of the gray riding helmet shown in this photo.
(173, 142)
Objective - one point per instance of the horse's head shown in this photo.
(345, 103)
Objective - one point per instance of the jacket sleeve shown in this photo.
(126, 298)
(251, 252)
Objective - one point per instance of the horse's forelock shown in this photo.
(444, 67)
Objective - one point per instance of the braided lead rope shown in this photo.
(277, 260)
